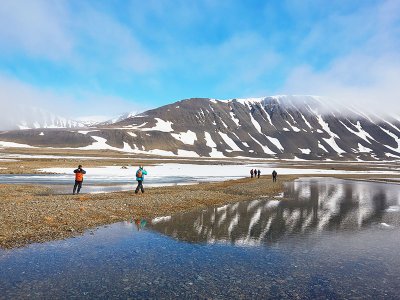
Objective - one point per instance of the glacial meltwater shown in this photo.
(322, 239)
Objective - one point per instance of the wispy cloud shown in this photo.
(36, 28)
(154, 52)
(366, 73)
(72, 104)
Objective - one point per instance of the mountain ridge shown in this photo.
(279, 127)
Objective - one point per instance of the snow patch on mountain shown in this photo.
(233, 117)
(188, 137)
(331, 142)
(305, 121)
(305, 151)
(276, 142)
(395, 137)
(265, 148)
(363, 149)
(360, 132)
(325, 126)
(132, 134)
(229, 141)
(322, 147)
(161, 125)
(255, 124)
(209, 140)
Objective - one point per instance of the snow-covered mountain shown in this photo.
(117, 119)
(22, 117)
(283, 127)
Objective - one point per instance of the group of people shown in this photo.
(79, 172)
(254, 173)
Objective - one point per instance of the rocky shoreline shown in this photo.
(32, 213)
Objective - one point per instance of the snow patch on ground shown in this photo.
(186, 153)
(14, 145)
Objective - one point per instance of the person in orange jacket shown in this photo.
(78, 179)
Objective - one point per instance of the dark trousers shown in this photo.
(274, 178)
(139, 186)
(78, 184)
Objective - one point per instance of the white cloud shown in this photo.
(366, 73)
(71, 104)
(75, 34)
(36, 28)
(111, 41)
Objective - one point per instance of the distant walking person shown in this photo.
(140, 177)
(274, 175)
(251, 173)
(78, 179)
(258, 173)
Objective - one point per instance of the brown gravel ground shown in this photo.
(32, 213)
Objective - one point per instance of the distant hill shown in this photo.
(23, 117)
(283, 127)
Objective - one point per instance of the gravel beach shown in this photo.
(31, 213)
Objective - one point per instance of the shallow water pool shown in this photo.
(323, 238)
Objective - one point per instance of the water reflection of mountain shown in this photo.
(307, 206)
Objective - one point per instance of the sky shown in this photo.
(94, 58)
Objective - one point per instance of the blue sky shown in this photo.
(102, 58)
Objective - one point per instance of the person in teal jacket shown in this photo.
(140, 177)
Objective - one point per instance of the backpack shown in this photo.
(139, 173)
